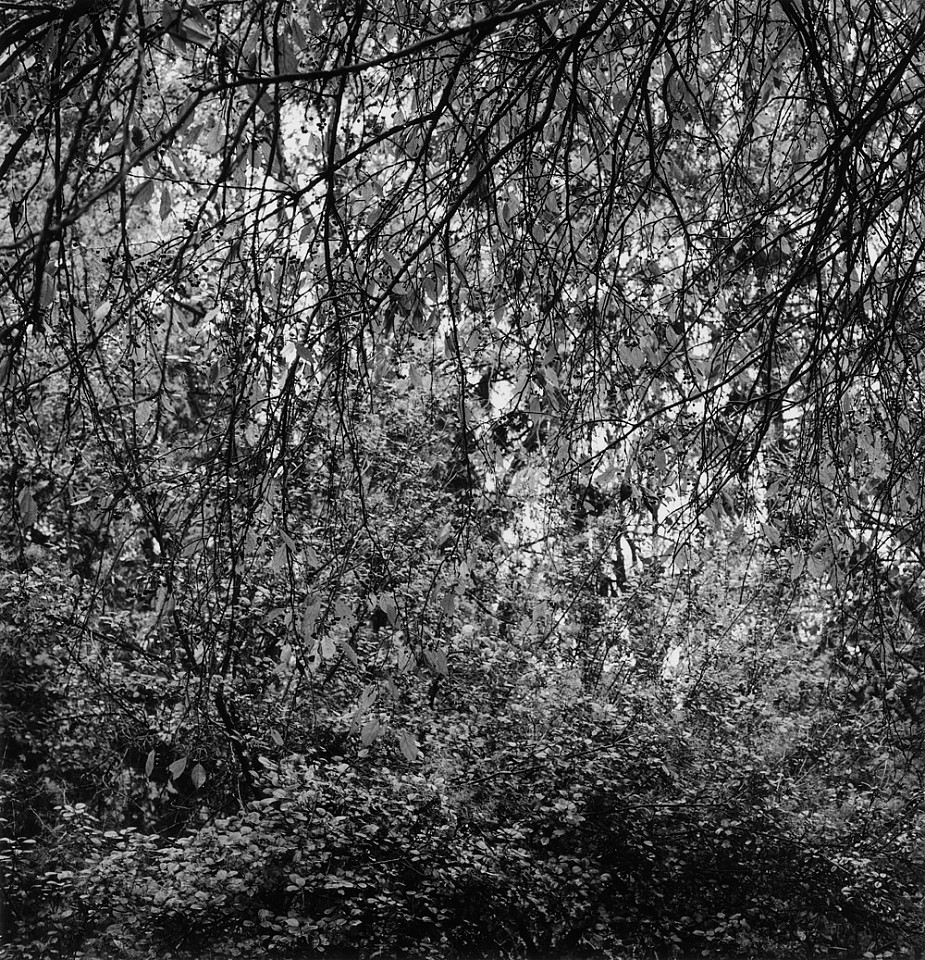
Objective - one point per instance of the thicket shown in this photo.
(460, 479)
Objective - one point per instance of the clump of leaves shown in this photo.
(576, 827)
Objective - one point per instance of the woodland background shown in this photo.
(461, 476)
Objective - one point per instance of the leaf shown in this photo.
(145, 192)
(186, 113)
(114, 149)
(277, 737)
(404, 659)
(309, 619)
(315, 22)
(149, 764)
(279, 559)
(298, 34)
(370, 731)
(195, 30)
(351, 654)
(166, 203)
(439, 662)
(408, 746)
(387, 606)
(287, 58)
(163, 602)
(177, 768)
(286, 659)
(198, 776)
(48, 291)
(214, 140)
(170, 17)
(342, 611)
(27, 508)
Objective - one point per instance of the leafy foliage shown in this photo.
(461, 478)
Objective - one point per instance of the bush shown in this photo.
(577, 828)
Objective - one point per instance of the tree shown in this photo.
(346, 343)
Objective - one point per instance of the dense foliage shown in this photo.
(461, 478)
